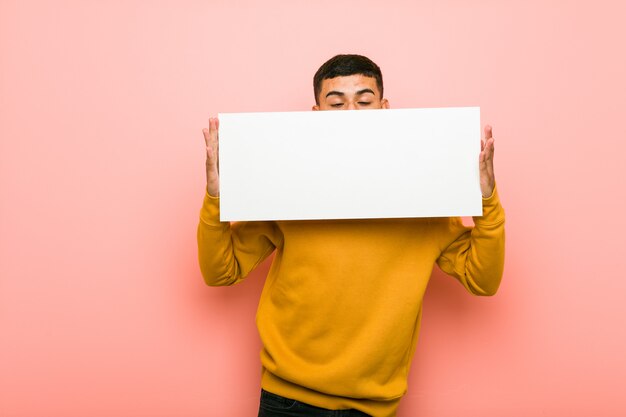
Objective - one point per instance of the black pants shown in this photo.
(273, 405)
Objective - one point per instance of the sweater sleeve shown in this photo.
(227, 253)
(475, 255)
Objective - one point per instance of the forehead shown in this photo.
(349, 84)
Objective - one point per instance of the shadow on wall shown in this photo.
(446, 296)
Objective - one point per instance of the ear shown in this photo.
(316, 107)
(384, 104)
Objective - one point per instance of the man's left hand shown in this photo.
(485, 162)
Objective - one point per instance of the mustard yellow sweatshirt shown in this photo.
(340, 312)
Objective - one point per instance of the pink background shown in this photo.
(102, 307)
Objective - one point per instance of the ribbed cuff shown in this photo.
(492, 209)
(210, 211)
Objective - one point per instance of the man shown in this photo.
(340, 311)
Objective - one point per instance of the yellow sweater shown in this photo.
(340, 312)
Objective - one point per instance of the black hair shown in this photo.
(343, 66)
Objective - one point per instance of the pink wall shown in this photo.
(102, 308)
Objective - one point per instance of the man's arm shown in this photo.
(475, 256)
(228, 253)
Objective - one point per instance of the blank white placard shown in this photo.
(350, 164)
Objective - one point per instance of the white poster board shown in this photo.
(350, 164)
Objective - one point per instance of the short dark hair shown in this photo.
(343, 66)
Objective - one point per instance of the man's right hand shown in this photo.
(212, 159)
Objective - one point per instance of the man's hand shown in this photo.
(212, 159)
(485, 162)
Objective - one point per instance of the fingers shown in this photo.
(214, 125)
(488, 132)
(212, 162)
(488, 149)
(211, 134)
(488, 135)
(211, 140)
(487, 145)
(487, 178)
(205, 132)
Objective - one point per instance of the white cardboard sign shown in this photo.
(350, 164)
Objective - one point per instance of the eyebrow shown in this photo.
(358, 93)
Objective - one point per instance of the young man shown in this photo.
(340, 311)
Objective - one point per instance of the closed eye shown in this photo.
(336, 105)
